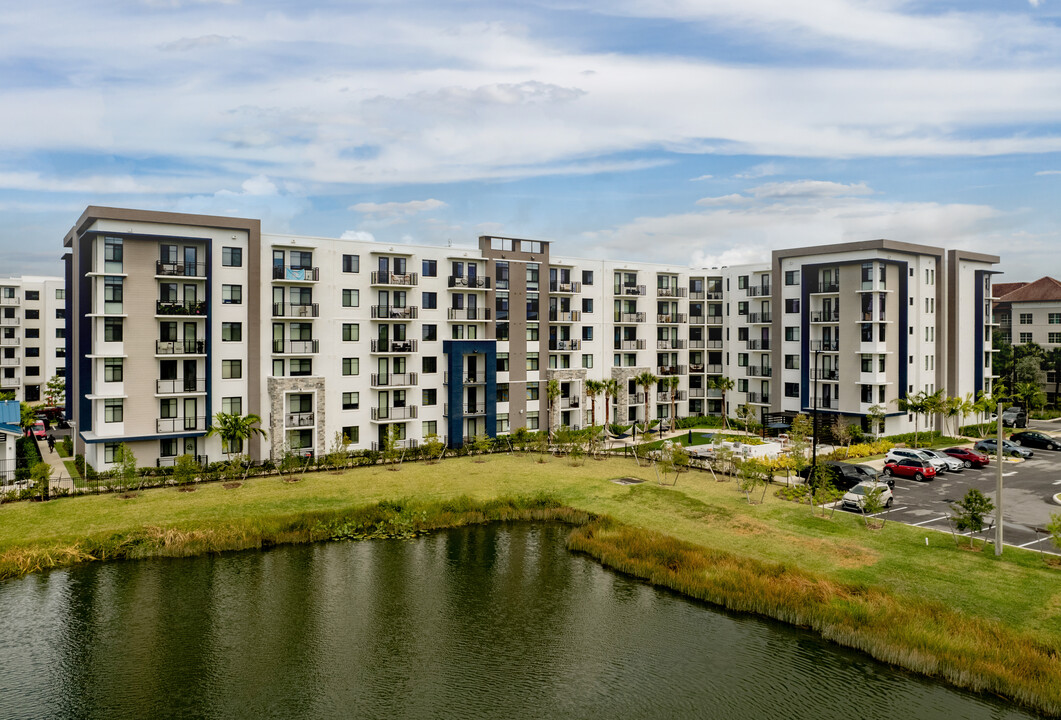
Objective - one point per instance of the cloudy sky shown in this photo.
(693, 131)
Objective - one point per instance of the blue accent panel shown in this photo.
(455, 351)
(904, 327)
(209, 334)
(68, 305)
(85, 339)
(140, 438)
(978, 333)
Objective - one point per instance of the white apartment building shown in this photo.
(32, 334)
(334, 341)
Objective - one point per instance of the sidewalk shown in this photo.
(60, 475)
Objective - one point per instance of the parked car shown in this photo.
(38, 430)
(988, 445)
(969, 458)
(873, 475)
(899, 453)
(908, 467)
(842, 475)
(953, 464)
(855, 498)
(1031, 438)
(1015, 417)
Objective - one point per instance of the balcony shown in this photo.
(469, 283)
(759, 371)
(713, 344)
(697, 295)
(713, 369)
(712, 319)
(665, 396)
(10, 321)
(466, 409)
(697, 392)
(180, 269)
(287, 273)
(296, 347)
(15, 300)
(569, 403)
(10, 341)
(287, 310)
(672, 318)
(696, 367)
(467, 378)
(825, 288)
(10, 382)
(634, 317)
(825, 345)
(630, 345)
(763, 344)
(565, 287)
(180, 386)
(758, 318)
(392, 312)
(631, 290)
(469, 314)
(670, 292)
(828, 403)
(393, 346)
(400, 444)
(180, 347)
(713, 295)
(759, 290)
(10, 361)
(696, 319)
(381, 277)
(565, 317)
(298, 419)
(665, 370)
(825, 374)
(394, 379)
(821, 316)
(565, 345)
(635, 399)
(200, 460)
(696, 344)
(674, 344)
(180, 424)
(759, 398)
(407, 412)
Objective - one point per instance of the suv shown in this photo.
(1031, 438)
(855, 499)
(989, 445)
(897, 454)
(910, 468)
(1015, 417)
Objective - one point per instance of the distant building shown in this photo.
(1030, 312)
(10, 431)
(32, 334)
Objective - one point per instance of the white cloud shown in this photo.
(808, 189)
(702, 177)
(258, 197)
(196, 43)
(397, 209)
(759, 171)
(1035, 3)
(1049, 172)
(358, 235)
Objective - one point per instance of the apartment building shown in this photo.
(32, 334)
(1030, 312)
(336, 342)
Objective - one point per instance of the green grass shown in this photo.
(71, 470)
(1017, 594)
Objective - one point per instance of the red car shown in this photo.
(970, 457)
(910, 468)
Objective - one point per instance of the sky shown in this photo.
(700, 132)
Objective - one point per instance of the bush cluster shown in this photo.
(861, 450)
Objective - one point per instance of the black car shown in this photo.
(845, 476)
(1034, 439)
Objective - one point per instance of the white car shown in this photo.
(898, 454)
(855, 498)
(953, 463)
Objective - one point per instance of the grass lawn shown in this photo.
(71, 470)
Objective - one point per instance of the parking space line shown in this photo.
(926, 522)
(1034, 541)
(1009, 473)
(885, 512)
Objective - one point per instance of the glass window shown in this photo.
(587, 277)
(32, 333)
(112, 254)
(792, 277)
(430, 268)
(502, 392)
(112, 289)
(231, 369)
(112, 369)
(232, 257)
(300, 367)
(1025, 318)
(587, 332)
(33, 295)
(532, 391)
(501, 277)
(113, 410)
(232, 294)
(532, 361)
(351, 366)
(351, 332)
(112, 330)
(351, 400)
(792, 334)
(1054, 318)
(60, 313)
(352, 263)
(430, 300)
(232, 405)
(429, 364)
(587, 305)
(109, 451)
(351, 298)
(60, 294)
(587, 361)
(430, 396)
(791, 390)
(430, 332)
(33, 314)
(232, 331)
(502, 362)
(351, 434)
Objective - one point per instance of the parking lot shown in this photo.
(1028, 490)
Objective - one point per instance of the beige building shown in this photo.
(32, 334)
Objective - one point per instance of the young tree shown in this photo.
(914, 405)
(873, 504)
(55, 391)
(125, 465)
(970, 511)
(646, 381)
(391, 449)
(611, 391)
(671, 382)
(801, 428)
(28, 416)
(842, 433)
(41, 474)
(434, 448)
(593, 389)
(482, 444)
(746, 414)
(724, 385)
(935, 404)
(1054, 528)
(234, 430)
(185, 468)
(1031, 395)
(337, 454)
(876, 414)
(552, 392)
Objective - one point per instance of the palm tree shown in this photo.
(915, 405)
(724, 385)
(1031, 395)
(671, 383)
(233, 429)
(935, 404)
(552, 391)
(611, 390)
(1053, 360)
(645, 380)
(593, 389)
(963, 407)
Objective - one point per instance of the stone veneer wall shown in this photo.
(568, 375)
(624, 375)
(278, 387)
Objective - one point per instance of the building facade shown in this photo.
(336, 343)
(32, 334)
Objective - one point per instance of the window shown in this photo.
(231, 294)
(351, 332)
(792, 362)
(501, 305)
(1025, 318)
(33, 314)
(232, 405)
(113, 410)
(112, 255)
(532, 391)
(112, 289)
(231, 369)
(532, 332)
(352, 434)
(231, 331)
(430, 365)
(430, 332)
(792, 334)
(60, 352)
(430, 300)
(1054, 337)
(112, 330)
(742, 386)
(1054, 318)
(502, 362)
(587, 277)
(352, 264)
(351, 298)
(792, 305)
(791, 278)
(430, 396)
(33, 370)
(232, 257)
(60, 313)
(587, 332)
(351, 366)
(532, 420)
(457, 332)
(60, 333)
(587, 305)
(32, 333)
(867, 363)
(502, 422)
(587, 361)
(792, 390)
(300, 367)
(742, 359)
(501, 331)
(1026, 337)
(502, 392)
(429, 428)
(532, 361)
(60, 294)
(109, 451)
(112, 369)
(430, 268)
(742, 308)
(351, 400)
(742, 282)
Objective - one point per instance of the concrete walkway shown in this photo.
(60, 475)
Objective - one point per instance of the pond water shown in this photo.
(485, 622)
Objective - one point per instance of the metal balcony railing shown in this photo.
(635, 399)
(629, 344)
(200, 460)
(713, 369)
(394, 379)
(298, 419)
(760, 317)
(181, 269)
(825, 345)
(180, 385)
(180, 424)
(392, 312)
(664, 370)
(296, 347)
(393, 346)
(176, 308)
(670, 292)
(825, 374)
(759, 344)
(380, 277)
(631, 290)
(467, 379)
(759, 371)
(310, 310)
(569, 403)
(467, 409)
(469, 313)
(712, 320)
(673, 344)
(565, 345)
(400, 444)
(565, 287)
(821, 316)
(394, 413)
(759, 290)
(296, 274)
(672, 318)
(471, 283)
(10, 321)
(758, 398)
(664, 396)
(826, 287)
(828, 403)
(697, 392)
(180, 347)
(634, 317)
(565, 317)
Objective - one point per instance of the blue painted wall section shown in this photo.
(455, 350)
(85, 323)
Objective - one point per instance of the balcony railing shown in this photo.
(825, 345)
(10, 361)
(713, 344)
(828, 403)
(471, 283)
(469, 313)
(296, 347)
(697, 295)
(634, 317)
(670, 344)
(180, 424)
(181, 269)
(298, 419)
(635, 399)
(664, 396)
(394, 413)
(759, 371)
(400, 444)
(10, 321)
(180, 347)
(759, 398)
(565, 287)
(671, 292)
(176, 308)
(713, 369)
(13, 381)
(565, 345)
(467, 379)
(200, 460)
(759, 317)
(821, 316)
(393, 346)
(696, 344)
(759, 290)
(697, 392)
(393, 379)
(712, 319)
(763, 344)
(568, 403)
(672, 318)
(696, 319)
(10, 300)
(467, 409)
(380, 277)
(831, 374)
(392, 312)
(295, 274)
(10, 341)
(180, 385)
(826, 287)
(565, 317)
(630, 345)
(632, 290)
(310, 310)
(665, 370)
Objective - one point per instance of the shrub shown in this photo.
(861, 450)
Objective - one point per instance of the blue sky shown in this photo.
(693, 131)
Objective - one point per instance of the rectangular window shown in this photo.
(351, 434)
(1025, 337)
(60, 313)
(351, 400)
(33, 314)
(113, 410)
(429, 365)
(231, 294)
(1026, 318)
(1054, 337)
(430, 268)
(231, 369)
(33, 352)
(742, 308)
(351, 332)
(532, 332)
(430, 396)
(587, 361)
(502, 362)
(532, 391)
(232, 257)
(1054, 318)
(792, 334)
(300, 367)
(351, 298)
(232, 405)
(112, 369)
(502, 392)
(112, 255)
(587, 277)
(792, 278)
(60, 333)
(792, 362)
(232, 331)
(430, 332)
(112, 330)
(792, 305)
(587, 332)
(32, 333)
(351, 366)
(742, 282)
(532, 420)
(532, 361)
(792, 390)
(430, 300)
(112, 289)
(109, 451)
(60, 294)
(352, 263)
(587, 305)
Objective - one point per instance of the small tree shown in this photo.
(552, 392)
(337, 454)
(875, 415)
(1054, 528)
(185, 468)
(391, 450)
(55, 391)
(125, 466)
(801, 428)
(746, 414)
(842, 434)
(646, 381)
(41, 474)
(872, 504)
(593, 389)
(969, 512)
(482, 444)
(234, 429)
(28, 416)
(753, 474)
(542, 444)
(434, 448)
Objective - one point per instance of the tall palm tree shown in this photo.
(671, 382)
(593, 389)
(935, 404)
(611, 390)
(645, 380)
(552, 391)
(724, 385)
(914, 405)
(234, 429)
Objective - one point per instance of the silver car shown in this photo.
(953, 463)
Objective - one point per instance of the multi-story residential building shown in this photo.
(1031, 313)
(32, 334)
(337, 342)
